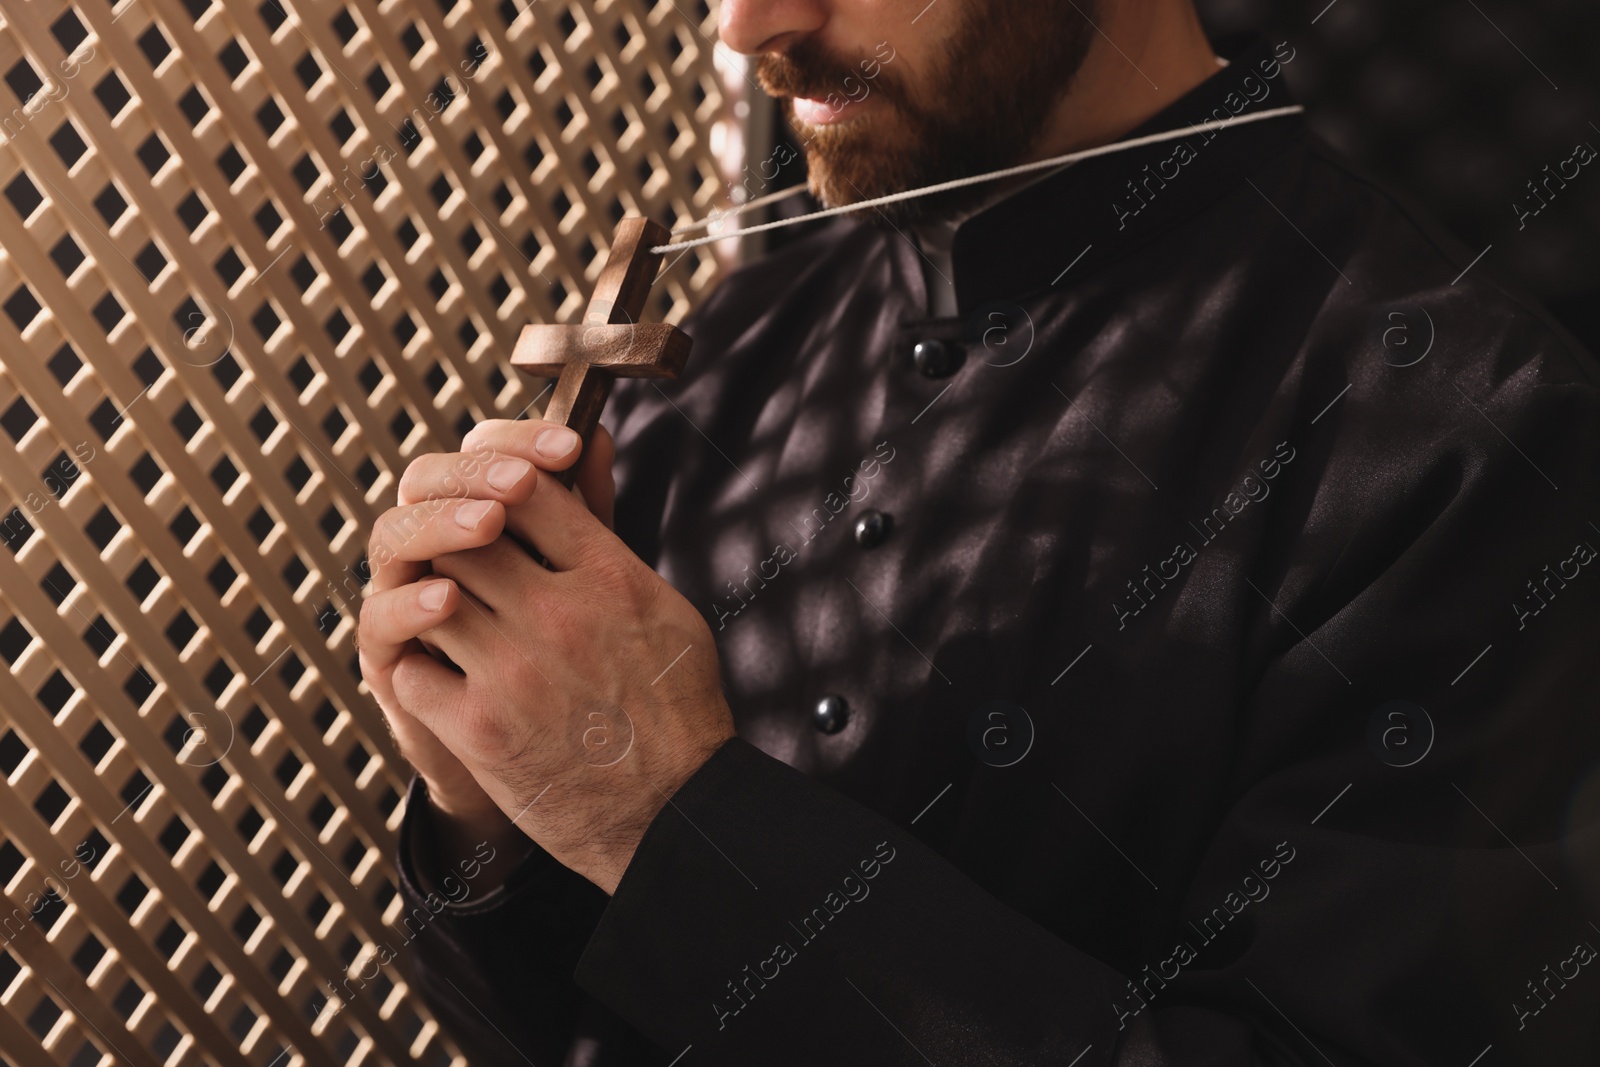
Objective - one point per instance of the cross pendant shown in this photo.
(611, 342)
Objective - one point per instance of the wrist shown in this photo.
(469, 807)
(463, 854)
(603, 861)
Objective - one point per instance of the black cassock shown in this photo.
(1190, 656)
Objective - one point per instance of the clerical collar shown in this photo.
(937, 240)
(1074, 221)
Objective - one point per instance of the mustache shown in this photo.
(808, 71)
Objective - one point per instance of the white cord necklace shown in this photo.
(959, 183)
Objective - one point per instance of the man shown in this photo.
(1136, 615)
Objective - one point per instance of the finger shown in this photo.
(551, 446)
(405, 536)
(473, 637)
(495, 574)
(392, 619)
(389, 572)
(547, 445)
(594, 482)
(426, 689)
(558, 525)
(481, 473)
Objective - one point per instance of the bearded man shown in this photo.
(1136, 613)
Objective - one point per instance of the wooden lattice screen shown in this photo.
(254, 256)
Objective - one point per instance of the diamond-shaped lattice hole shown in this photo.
(68, 30)
(67, 256)
(68, 143)
(113, 94)
(24, 80)
(18, 418)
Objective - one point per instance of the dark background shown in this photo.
(1458, 103)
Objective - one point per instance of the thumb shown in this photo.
(594, 482)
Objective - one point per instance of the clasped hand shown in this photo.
(578, 696)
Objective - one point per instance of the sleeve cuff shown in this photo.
(497, 969)
(537, 868)
(760, 901)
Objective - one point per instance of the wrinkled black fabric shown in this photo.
(1218, 372)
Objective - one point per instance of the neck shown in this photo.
(1145, 56)
(1160, 53)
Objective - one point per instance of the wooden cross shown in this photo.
(611, 342)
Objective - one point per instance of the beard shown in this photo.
(988, 92)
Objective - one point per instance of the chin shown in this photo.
(839, 182)
(847, 164)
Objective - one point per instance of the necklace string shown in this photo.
(739, 209)
(942, 187)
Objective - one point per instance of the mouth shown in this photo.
(830, 112)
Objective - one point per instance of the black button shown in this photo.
(830, 714)
(872, 527)
(938, 359)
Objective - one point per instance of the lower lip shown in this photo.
(822, 113)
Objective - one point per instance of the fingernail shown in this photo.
(508, 472)
(555, 442)
(432, 596)
(471, 513)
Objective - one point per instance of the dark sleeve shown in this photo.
(497, 968)
(767, 919)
